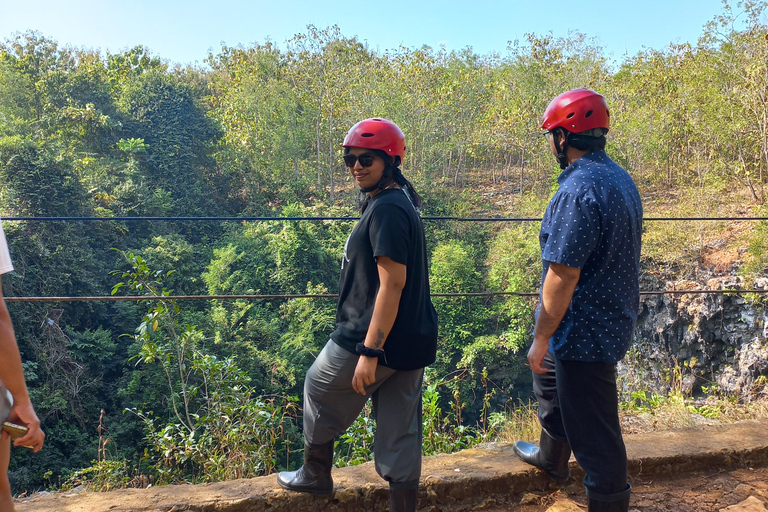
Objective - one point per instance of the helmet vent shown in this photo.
(570, 115)
(366, 135)
(588, 114)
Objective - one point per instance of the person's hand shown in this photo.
(23, 413)
(365, 373)
(536, 355)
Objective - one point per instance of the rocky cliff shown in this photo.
(689, 341)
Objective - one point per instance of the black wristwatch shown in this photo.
(362, 350)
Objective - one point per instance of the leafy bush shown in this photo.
(102, 475)
(355, 446)
(442, 433)
(217, 430)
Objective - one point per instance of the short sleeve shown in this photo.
(389, 233)
(574, 231)
(5, 256)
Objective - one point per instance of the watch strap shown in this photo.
(362, 350)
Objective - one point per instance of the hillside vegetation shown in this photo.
(164, 390)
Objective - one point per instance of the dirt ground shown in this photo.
(694, 492)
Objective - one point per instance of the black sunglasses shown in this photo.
(366, 159)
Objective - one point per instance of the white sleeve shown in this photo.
(5, 256)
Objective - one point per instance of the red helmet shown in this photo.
(377, 133)
(577, 110)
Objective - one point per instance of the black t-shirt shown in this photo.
(389, 227)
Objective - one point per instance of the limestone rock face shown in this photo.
(684, 341)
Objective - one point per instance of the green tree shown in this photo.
(217, 430)
(453, 269)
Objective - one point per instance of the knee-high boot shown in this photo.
(403, 497)
(315, 475)
(551, 456)
(618, 502)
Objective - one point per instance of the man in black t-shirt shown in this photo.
(386, 327)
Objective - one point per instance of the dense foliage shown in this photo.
(163, 390)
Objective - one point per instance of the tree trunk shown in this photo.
(330, 169)
(319, 160)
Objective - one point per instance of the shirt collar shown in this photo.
(585, 160)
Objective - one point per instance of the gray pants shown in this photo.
(331, 406)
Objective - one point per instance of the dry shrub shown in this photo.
(522, 424)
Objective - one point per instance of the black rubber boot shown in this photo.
(618, 502)
(403, 497)
(315, 475)
(551, 456)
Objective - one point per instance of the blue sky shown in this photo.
(183, 32)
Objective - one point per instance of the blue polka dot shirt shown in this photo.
(594, 223)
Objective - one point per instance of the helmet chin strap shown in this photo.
(381, 185)
(562, 158)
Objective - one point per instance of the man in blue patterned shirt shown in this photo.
(590, 249)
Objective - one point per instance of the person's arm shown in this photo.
(12, 375)
(556, 295)
(392, 277)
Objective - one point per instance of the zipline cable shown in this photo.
(265, 219)
(329, 296)
(113, 298)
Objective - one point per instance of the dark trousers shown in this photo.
(579, 404)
